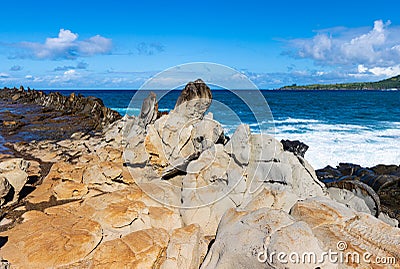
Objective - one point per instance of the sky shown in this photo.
(121, 44)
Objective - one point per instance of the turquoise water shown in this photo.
(339, 126)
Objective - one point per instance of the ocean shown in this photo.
(361, 127)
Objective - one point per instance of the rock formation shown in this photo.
(52, 115)
(149, 111)
(172, 192)
(297, 147)
(378, 185)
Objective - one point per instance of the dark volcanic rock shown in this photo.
(297, 147)
(196, 98)
(383, 179)
(194, 90)
(34, 115)
(90, 107)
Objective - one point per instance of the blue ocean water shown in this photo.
(361, 127)
(2, 141)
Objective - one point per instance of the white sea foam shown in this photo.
(292, 120)
(331, 144)
(123, 111)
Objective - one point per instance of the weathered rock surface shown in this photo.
(333, 222)
(141, 249)
(171, 191)
(5, 188)
(186, 249)
(315, 225)
(13, 177)
(195, 98)
(44, 241)
(261, 231)
(149, 111)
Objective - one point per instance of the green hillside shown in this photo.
(390, 83)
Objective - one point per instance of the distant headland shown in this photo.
(386, 84)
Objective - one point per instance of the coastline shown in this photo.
(30, 115)
(98, 181)
(333, 89)
(392, 83)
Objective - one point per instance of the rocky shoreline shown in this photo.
(173, 191)
(35, 115)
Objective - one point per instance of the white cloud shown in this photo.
(68, 77)
(385, 71)
(4, 75)
(367, 48)
(65, 46)
(317, 49)
(71, 72)
(361, 68)
(376, 51)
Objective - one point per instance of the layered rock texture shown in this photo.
(172, 191)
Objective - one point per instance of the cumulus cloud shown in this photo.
(65, 46)
(67, 78)
(307, 76)
(150, 48)
(4, 75)
(380, 71)
(375, 50)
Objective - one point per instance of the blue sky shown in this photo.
(120, 44)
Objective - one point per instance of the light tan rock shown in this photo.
(44, 241)
(239, 144)
(269, 163)
(42, 192)
(65, 190)
(333, 222)
(206, 133)
(273, 196)
(122, 212)
(64, 181)
(111, 170)
(33, 169)
(141, 249)
(67, 171)
(186, 249)
(241, 236)
(14, 172)
(349, 199)
(4, 189)
(155, 148)
(93, 175)
(205, 189)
